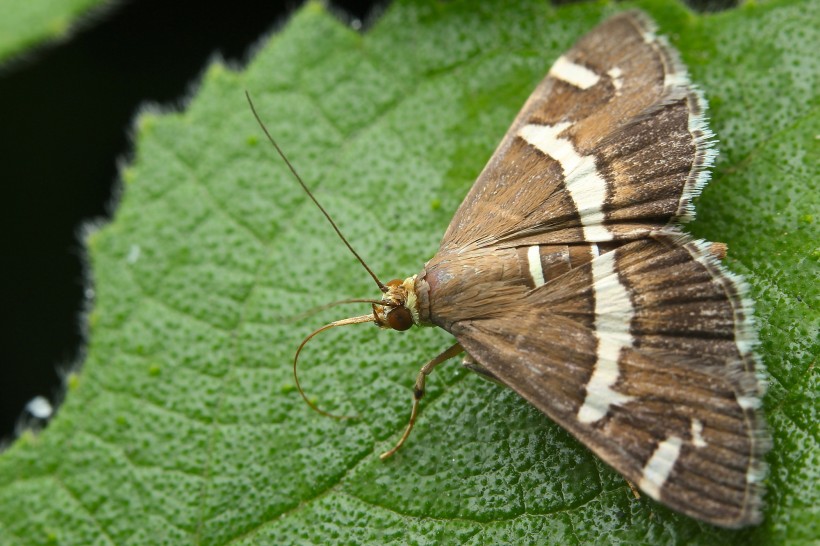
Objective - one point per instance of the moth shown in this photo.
(565, 276)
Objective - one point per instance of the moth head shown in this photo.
(398, 309)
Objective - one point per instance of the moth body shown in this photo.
(565, 275)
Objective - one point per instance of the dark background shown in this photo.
(65, 114)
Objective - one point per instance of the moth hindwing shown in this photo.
(564, 275)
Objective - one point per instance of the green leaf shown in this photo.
(29, 23)
(183, 425)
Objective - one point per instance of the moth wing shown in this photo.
(612, 144)
(644, 354)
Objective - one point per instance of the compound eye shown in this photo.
(395, 282)
(400, 318)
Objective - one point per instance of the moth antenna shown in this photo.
(313, 310)
(381, 285)
(343, 322)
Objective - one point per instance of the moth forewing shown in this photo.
(563, 276)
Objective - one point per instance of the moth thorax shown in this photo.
(400, 309)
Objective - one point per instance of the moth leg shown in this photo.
(418, 393)
(472, 364)
(633, 488)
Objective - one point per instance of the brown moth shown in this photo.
(564, 276)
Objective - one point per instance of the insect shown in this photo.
(564, 275)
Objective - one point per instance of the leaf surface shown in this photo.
(183, 425)
(26, 24)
